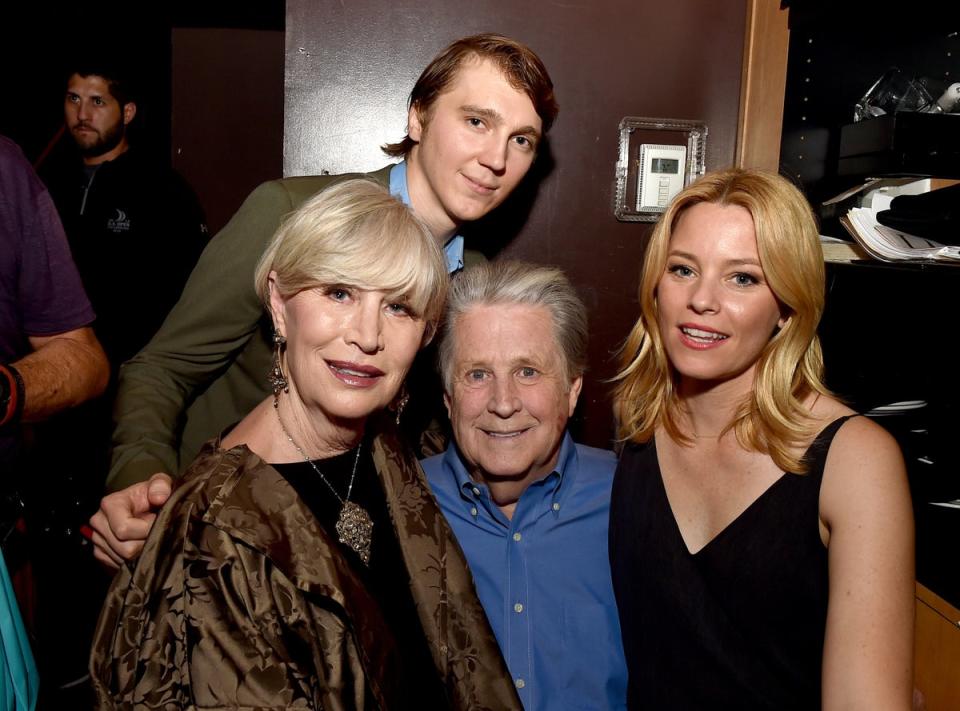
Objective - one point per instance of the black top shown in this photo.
(136, 230)
(740, 624)
(386, 577)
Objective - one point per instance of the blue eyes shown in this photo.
(741, 279)
(342, 294)
(478, 376)
(399, 309)
(524, 142)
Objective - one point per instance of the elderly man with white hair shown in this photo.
(528, 506)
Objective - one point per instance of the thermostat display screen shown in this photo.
(660, 175)
(665, 165)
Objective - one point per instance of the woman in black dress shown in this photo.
(761, 534)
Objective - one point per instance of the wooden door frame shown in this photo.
(763, 85)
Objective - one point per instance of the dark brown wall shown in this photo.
(350, 67)
(226, 113)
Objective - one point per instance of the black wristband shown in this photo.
(11, 395)
(6, 387)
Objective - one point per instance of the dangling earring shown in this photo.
(401, 402)
(276, 378)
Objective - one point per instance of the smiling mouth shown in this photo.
(478, 187)
(354, 373)
(506, 435)
(700, 336)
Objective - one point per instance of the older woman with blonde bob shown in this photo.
(761, 534)
(301, 562)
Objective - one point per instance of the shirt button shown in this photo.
(473, 510)
(517, 536)
(520, 683)
(556, 507)
(476, 491)
(518, 608)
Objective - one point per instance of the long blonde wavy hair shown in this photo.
(773, 418)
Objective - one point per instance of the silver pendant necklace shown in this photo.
(354, 525)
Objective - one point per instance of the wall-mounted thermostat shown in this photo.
(660, 175)
(657, 158)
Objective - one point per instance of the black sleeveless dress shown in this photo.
(738, 625)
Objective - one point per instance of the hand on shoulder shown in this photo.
(121, 525)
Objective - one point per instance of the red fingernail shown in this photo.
(86, 532)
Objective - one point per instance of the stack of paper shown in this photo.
(890, 245)
(841, 250)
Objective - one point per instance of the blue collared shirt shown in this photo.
(543, 576)
(453, 249)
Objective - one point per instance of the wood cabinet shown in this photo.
(937, 655)
(882, 325)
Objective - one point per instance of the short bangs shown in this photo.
(355, 233)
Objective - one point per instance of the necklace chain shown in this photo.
(341, 499)
(354, 526)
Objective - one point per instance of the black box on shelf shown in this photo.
(904, 143)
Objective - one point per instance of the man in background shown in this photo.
(135, 230)
(134, 225)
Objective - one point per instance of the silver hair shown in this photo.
(515, 282)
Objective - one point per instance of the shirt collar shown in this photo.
(554, 484)
(453, 249)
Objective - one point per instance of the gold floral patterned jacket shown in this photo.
(240, 600)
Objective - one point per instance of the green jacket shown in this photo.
(207, 365)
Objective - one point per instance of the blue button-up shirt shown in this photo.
(453, 249)
(543, 576)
